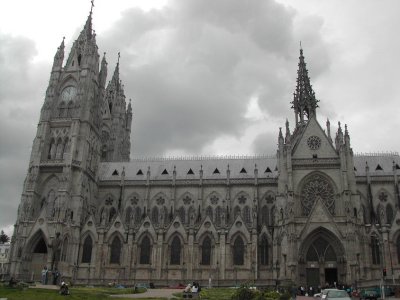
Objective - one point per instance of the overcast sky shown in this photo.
(206, 76)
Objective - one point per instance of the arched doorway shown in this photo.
(322, 259)
(37, 252)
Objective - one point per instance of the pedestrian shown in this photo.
(56, 274)
(45, 274)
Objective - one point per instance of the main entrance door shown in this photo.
(321, 251)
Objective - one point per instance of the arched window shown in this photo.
(238, 252)
(154, 215)
(87, 250)
(113, 212)
(52, 149)
(128, 215)
(60, 149)
(115, 251)
(376, 257)
(246, 214)
(264, 215)
(264, 251)
(181, 213)
(389, 214)
(209, 212)
(218, 215)
(206, 251)
(138, 215)
(175, 251)
(145, 251)
(236, 211)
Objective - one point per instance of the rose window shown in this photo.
(314, 142)
(317, 188)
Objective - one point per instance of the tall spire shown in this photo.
(304, 102)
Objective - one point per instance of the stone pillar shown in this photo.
(160, 258)
(222, 258)
(189, 260)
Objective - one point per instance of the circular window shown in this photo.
(314, 142)
(317, 188)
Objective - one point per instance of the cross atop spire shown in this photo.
(304, 102)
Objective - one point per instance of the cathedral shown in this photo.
(314, 213)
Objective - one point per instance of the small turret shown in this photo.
(328, 130)
(103, 72)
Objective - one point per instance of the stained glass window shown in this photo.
(145, 251)
(264, 251)
(175, 251)
(238, 252)
(87, 250)
(206, 251)
(115, 251)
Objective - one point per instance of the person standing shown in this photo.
(45, 274)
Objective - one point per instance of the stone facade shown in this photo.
(4, 260)
(314, 213)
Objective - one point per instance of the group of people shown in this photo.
(56, 275)
(45, 276)
(192, 288)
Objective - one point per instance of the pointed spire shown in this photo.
(59, 56)
(328, 129)
(287, 136)
(103, 71)
(304, 102)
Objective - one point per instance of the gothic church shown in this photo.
(312, 214)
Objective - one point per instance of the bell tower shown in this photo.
(61, 183)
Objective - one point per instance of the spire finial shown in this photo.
(119, 56)
(91, 8)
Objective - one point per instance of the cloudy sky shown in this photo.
(207, 76)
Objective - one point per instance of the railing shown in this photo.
(202, 157)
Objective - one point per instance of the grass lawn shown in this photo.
(85, 293)
(214, 293)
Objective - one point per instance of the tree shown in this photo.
(4, 238)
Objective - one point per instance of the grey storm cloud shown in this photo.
(192, 67)
(22, 85)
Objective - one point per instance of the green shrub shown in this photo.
(271, 294)
(244, 293)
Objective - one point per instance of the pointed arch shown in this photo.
(176, 250)
(238, 251)
(218, 215)
(264, 215)
(375, 252)
(206, 248)
(155, 215)
(145, 251)
(112, 214)
(52, 149)
(263, 250)
(128, 215)
(246, 214)
(60, 148)
(87, 249)
(236, 212)
(209, 212)
(115, 250)
(389, 214)
(138, 215)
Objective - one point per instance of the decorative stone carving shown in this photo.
(314, 142)
(317, 188)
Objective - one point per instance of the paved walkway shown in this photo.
(152, 293)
